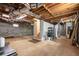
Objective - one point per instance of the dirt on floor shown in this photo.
(25, 46)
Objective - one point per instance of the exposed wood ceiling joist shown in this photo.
(56, 10)
(63, 8)
(46, 12)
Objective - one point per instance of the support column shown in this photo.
(65, 29)
(36, 29)
(58, 30)
(42, 30)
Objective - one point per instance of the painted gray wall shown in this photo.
(44, 28)
(7, 30)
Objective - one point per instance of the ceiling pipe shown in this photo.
(26, 11)
(14, 14)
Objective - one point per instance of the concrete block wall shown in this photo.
(7, 30)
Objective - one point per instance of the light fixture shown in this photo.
(22, 16)
(5, 15)
(15, 25)
(6, 9)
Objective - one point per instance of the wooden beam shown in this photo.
(49, 5)
(63, 16)
(61, 8)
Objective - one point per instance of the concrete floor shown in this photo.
(59, 47)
